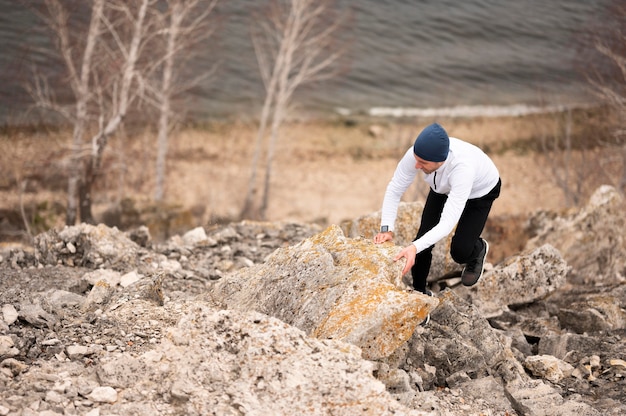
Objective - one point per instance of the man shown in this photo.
(464, 182)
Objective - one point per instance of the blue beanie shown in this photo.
(432, 144)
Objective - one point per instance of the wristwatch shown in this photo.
(384, 229)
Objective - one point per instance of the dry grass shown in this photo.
(324, 171)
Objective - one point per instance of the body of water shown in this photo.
(423, 57)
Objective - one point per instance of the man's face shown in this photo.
(425, 165)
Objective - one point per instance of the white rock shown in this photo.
(112, 277)
(9, 314)
(6, 344)
(195, 236)
(548, 367)
(594, 361)
(71, 248)
(54, 397)
(78, 351)
(104, 394)
(130, 278)
(169, 265)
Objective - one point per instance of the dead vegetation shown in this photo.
(326, 171)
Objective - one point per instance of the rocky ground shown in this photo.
(242, 319)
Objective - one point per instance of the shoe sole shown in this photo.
(482, 270)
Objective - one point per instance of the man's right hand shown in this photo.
(382, 237)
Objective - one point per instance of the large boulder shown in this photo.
(207, 362)
(590, 239)
(458, 340)
(407, 224)
(335, 287)
(230, 362)
(85, 245)
(461, 347)
(519, 280)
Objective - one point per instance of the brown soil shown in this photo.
(329, 171)
(324, 171)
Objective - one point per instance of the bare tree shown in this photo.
(295, 43)
(603, 60)
(102, 71)
(121, 93)
(607, 73)
(593, 140)
(560, 157)
(186, 26)
(79, 69)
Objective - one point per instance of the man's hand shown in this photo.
(409, 252)
(382, 237)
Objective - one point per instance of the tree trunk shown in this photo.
(162, 144)
(81, 92)
(293, 48)
(284, 65)
(176, 17)
(123, 98)
(248, 211)
(84, 196)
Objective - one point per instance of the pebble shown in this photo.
(9, 314)
(104, 394)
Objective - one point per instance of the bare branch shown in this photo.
(185, 25)
(114, 63)
(293, 45)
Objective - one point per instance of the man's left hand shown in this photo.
(409, 252)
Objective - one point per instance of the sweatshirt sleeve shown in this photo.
(461, 181)
(402, 178)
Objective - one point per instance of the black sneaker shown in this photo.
(473, 270)
(427, 320)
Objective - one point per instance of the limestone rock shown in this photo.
(92, 246)
(570, 346)
(591, 239)
(407, 224)
(35, 315)
(195, 236)
(548, 367)
(533, 397)
(596, 313)
(519, 280)
(458, 340)
(230, 362)
(333, 287)
(99, 294)
(9, 314)
(488, 389)
(165, 347)
(110, 277)
(103, 394)
(59, 299)
(6, 347)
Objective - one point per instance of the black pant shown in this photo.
(466, 242)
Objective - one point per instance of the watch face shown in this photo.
(384, 228)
